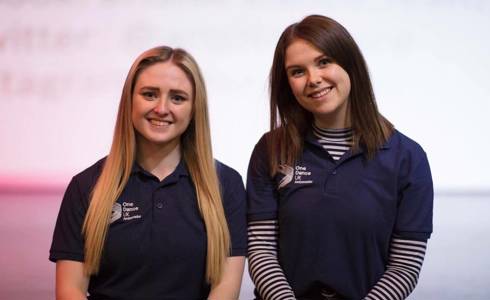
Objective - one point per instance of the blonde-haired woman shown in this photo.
(158, 218)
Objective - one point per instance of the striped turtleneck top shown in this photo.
(335, 141)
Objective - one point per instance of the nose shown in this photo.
(161, 106)
(314, 78)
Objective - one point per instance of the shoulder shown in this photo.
(261, 149)
(77, 194)
(411, 157)
(226, 174)
(86, 179)
(272, 136)
(231, 186)
(405, 145)
(265, 139)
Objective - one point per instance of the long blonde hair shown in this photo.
(197, 153)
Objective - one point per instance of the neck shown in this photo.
(332, 123)
(159, 160)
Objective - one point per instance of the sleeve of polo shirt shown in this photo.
(235, 206)
(261, 191)
(67, 238)
(416, 194)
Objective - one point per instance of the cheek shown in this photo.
(344, 78)
(296, 87)
(347, 87)
(138, 114)
(135, 113)
(185, 114)
(136, 122)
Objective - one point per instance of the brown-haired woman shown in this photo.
(157, 218)
(339, 202)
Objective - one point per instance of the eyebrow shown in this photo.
(177, 91)
(151, 88)
(315, 59)
(157, 89)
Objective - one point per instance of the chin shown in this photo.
(159, 140)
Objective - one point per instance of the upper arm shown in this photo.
(71, 282)
(235, 208)
(229, 286)
(261, 188)
(68, 241)
(67, 245)
(416, 194)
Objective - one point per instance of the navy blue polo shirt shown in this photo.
(336, 218)
(156, 244)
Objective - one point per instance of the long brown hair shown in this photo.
(289, 121)
(197, 153)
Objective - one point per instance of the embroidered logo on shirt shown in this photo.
(288, 173)
(130, 211)
(300, 175)
(116, 212)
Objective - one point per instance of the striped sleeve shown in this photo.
(402, 272)
(263, 264)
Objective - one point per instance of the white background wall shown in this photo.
(63, 64)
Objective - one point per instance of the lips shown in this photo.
(320, 93)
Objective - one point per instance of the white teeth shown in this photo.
(321, 93)
(159, 123)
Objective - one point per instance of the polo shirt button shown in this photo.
(334, 172)
(159, 205)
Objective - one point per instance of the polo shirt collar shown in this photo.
(391, 140)
(180, 170)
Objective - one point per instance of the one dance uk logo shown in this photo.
(300, 174)
(128, 211)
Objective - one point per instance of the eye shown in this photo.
(296, 72)
(324, 61)
(177, 98)
(149, 95)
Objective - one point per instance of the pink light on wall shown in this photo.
(42, 184)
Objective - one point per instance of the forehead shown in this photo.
(165, 75)
(300, 52)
